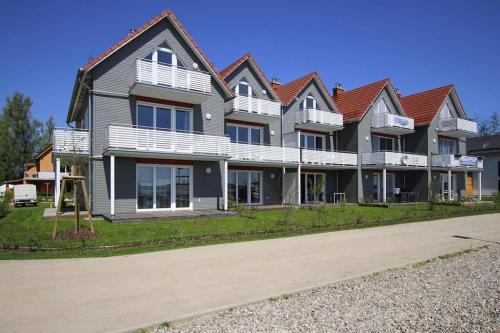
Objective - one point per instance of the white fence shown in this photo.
(128, 137)
(69, 140)
(261, 153)
(256, 105)
(387, 119)
(156, 73)
(319, 117)
(457, 124)
(450, 160)
(329, 157)
(394, 159)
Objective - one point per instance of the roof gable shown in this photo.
(289, 91)
(354, 104)
(251, 61)
(425, 105)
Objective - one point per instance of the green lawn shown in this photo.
(25, 228)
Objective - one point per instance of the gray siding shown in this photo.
(207, 188)
(348, 138)
(246, 71)
(417, 142)
(271, 190)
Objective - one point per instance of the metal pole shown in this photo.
(384, 188)
(112, 184)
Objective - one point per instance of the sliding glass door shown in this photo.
(245, 187)
(156, 190)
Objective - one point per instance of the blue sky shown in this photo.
(418, 44)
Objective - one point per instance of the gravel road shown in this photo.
(455, 294)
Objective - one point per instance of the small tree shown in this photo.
(494, 123)
(483, 129)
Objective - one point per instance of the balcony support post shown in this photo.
(449, 185)
(112, 184)
(298, 185)
(224, 190)
(58, 181)
(283, 186)
(384, 188)
(479, 184)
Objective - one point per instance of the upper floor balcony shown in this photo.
(394, 159)
(244, 152)
(249, 108)
(457, 127)
(329, 158)
(393, 124)
(456, 161)
(318, 120)
(159, 80)
(45, 175)
(70, 141)
(130, 140)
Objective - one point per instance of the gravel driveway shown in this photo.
(455, 294)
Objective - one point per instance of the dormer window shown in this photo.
(309, 103)
(244, 89)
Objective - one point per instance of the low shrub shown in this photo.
(5, 204)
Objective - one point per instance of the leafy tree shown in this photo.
(19, 136)
(494, 123)
(46, 134)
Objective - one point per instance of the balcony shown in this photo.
(45, 175)
(70, 141)
(393, 124)
(318, 120)
(332, 158)
(264, 154)
(129, 140)
(457, 127)
(159, 80)
(396, 159)
(253, 109)
(456, 161)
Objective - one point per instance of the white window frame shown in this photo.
(455, 148)
(249, 186)
(304, 103)
(172, 114)
(323, 140)
(249, 133)
(386, 138)
(173, 193)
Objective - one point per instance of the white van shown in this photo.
(25, 194)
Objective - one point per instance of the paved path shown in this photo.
(122, 293)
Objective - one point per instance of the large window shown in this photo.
(312, 141)
(243, 88)
(309, 103)
(163, 117)
(245, 187)
(244, 134)
(163, 54)
(380, 143)
(155, 189)
(445, 112)
(312, 187)
(447, 146)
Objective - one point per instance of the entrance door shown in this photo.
(469, 185)
(445, 190)
(378, 185)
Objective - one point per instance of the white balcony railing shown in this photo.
(389, 120)
(390, 158)
(128, 137)
(457, 161)
(69, 140)
(155, 73)
(329, 157)
(256, 105)
(262, 153)
(325, 118)
(458, 127)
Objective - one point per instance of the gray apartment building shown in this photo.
(162, 129)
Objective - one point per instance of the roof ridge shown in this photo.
(235, 64)
(366, 85)
(428, 91)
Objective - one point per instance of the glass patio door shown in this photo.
(312, 187)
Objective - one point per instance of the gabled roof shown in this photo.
(424, 106)
(167, 14)
(248, 58)
(288, 92)
(353, 104)
(47, 149)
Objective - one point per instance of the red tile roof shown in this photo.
(353, 104)
(423, 106)
(145, 27)
(289, 91)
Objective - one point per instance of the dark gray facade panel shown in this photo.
(207, 188)
(417, 142)
(348, 138)
(348, 184)
(271, 189)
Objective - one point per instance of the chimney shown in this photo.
(398, 93)
(275, 82)
(338, 89)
